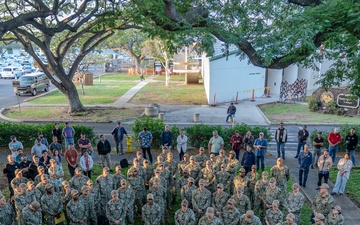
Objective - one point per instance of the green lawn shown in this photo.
(352, 186)
(106, 92)
(172, 78)
(175, 93)
(120, 77)
(277, 112)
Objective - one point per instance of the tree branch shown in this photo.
(305, 2)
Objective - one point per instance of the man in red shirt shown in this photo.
(334, 139)
(71, 156)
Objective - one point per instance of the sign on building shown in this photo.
(347, 101)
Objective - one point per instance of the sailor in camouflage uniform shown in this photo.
(118, 176)
(65, 195)
(115, 212)
(201, 200)
(243, 181)
(149, 171)
(31, 214)
(249, 219)
(106, 184)
(221, 159)
(274, 216)
(78, 180)
(273, 193)
(201, 158)
(208, 175)
(128, 196)
(253, 177)
(319, 219)
(7, 214)
(159, 194)
(294, 202)
(171, 165)
(335, 217)
(88, 199)
(323, 201)
(19, 179)
(290, 220)
(137, 166)
(76, 209)
(137, 185)
(186, 191)
(163, 181)
(22, 199)
(33, 192)
(183, 180)
(151, 212)
(223, 177)
(281, 173)
(182, 164)
(230, 215)
(193, 169)
(184, 216)
(214, 164)
(51, 205)
(165, 173)
(219, 199)
(209, 218)
(232, 167)
(95, 193)
(241, 201)
(259, 193)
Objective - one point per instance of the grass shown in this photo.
(120, 77)
(172, 78)
(175, 93)
(92, 114)
(299, 113)
(106, 92)
(352, 190)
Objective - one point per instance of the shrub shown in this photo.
(155, 126)
(313, 104)
(27, 133)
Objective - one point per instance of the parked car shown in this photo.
(32, 83)
(27, 70)
(11, 72)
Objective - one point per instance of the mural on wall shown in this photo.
(294, 91)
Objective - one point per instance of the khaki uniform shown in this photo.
(115, 211)
(31, 218)
(295, 204)
(200, 200)
(282, 175)
(331, 219)
(128, 196)
(151, 214)
(77, 182)
(209, 176)
(7, 214)
(323, 204)
(253, 177)
(244, 182)
(242, 204)
(214, 221)
(223, 178)
(20, 202)
(201, 160)
(218, 201)
(230, 217)
(106, 185)
(51, 205)
(185, 218)
(186, 193)
(76, 211)
(254, 220)
(273, 217)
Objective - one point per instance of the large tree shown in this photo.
(73, 31)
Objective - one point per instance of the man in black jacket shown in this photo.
(104, 149)
(230, 112)
(118, 135)
(351, 144)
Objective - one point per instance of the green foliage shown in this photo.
(331, 108)
(313, 104)
(155, 126)
(28, 133)
(352, 190)
(344, 131)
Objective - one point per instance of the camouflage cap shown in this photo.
(325, 186)
(253, 166)
(232, 152)
(186, 155)
(319, 216)
(17, 171)
(184, 202)
(84, 188)
(201, 181)
(249, 215)
(290, 216)
(240, 189)
(242, 170)
(337, 207)
(220, 185)
(276, 202)
(35, 205)
(150, 196)
(295, 185)
(114, 193)
(74, 192)
(191, 180)
(272, 180)
(47, 186)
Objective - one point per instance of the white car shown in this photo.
(11, 72)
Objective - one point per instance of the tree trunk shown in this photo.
(167, 74)
(72, 95)
(137, 64)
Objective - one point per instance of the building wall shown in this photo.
(274, 81)
(231, 76)
(205, 71)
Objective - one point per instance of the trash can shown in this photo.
(196, 117)
(161, 116)
(129, 141)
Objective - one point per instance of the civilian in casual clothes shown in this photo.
(281, 139)
(236, 144)
(248, 159)
(43, 139)
(324, 164)
(14, 145)
(230, 112)
(57, 157)
(84, 144)
(24, 165)
(305, 160)
(351, 143)
(181, 144)
(317, 143)
(86, 163)
(45, 159)
(144, 139)
(55, 145)
(344, 166)
(33, 168)
(19, 155)
(104, 149)
(68, 133)
(9, 172)
(260, 146)
(38, 148)
(334, 139)
(71, 156)
(248, 140)
(57, 132)
(303, 136)
(166, 138)
(118, 135)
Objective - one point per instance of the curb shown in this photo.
(7, 118)
(263, 115)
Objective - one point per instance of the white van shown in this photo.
(11, 72)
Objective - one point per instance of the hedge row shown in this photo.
(344, 131)
(27, 133)
(198, 135)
